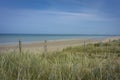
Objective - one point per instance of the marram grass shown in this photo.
(72, 63)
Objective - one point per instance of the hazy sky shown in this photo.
(60, 16)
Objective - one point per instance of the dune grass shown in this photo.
(90, 62)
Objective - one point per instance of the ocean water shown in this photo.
(14, 38)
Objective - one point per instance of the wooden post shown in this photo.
(84, 47)
(109, 48)
(45, 46)
(20, 46)
(83, 55)
(101, 44)
(107, 52)
(96, 47)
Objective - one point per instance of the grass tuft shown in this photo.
(91, 62)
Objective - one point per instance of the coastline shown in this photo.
(54, 45)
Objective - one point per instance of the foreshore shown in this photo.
(54, 45)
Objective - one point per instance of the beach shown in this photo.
(53, 45)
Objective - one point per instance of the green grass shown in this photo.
(97, 48)
(92, 62)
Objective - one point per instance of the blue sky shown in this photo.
(60, 16)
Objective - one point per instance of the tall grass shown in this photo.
(72, 63)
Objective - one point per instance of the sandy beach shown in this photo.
(53, 45)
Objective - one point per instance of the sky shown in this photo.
(60, 16)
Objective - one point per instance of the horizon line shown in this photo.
(67, 34)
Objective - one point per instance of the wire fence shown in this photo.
(98, 46)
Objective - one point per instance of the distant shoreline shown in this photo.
(11, 39)
(51, 40)
(54, 45)
(61, 34)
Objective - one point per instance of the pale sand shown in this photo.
(53, 45)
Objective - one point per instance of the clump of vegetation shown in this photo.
(108, 48)
(73, 63)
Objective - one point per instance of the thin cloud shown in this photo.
(85, 15)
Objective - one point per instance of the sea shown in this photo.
(6, 39)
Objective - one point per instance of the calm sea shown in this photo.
(14, 38)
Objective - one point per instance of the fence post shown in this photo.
(84, 47)
(96, 44)
(101, 44)
(109, 46)
(107, 52)
(20, 46)
(45, 46)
